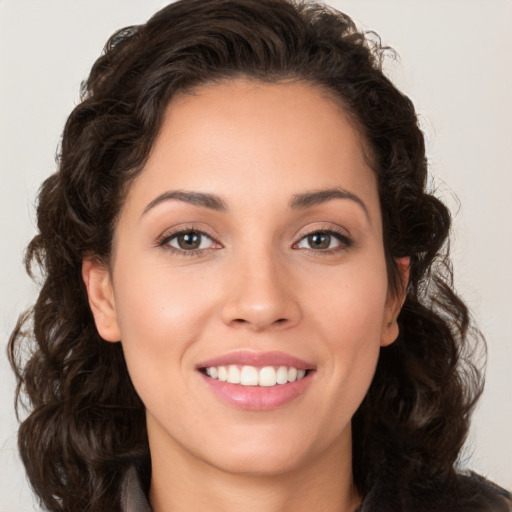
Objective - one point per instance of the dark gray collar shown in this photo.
(133, 498)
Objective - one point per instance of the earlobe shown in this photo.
(390, 328)
(389, 333)
(101, 299)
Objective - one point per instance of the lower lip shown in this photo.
(258, 398)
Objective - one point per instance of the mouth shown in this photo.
(257, 381)
(267, 376)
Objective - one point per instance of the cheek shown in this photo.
(160, 317)
(157, 301)
(350, 314)
(349, 301)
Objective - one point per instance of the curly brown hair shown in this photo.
(86, 424)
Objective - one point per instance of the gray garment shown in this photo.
(481, 495)
(133, 498)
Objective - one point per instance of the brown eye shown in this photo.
(327, 241)
(319, 241)
(189, 241)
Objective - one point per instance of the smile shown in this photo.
(256, 381)
(268, 376)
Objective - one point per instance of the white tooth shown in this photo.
(301, 374)
(282, 375)
(267, 376)
(209, 371)
(249, 376)
(292, 374)
(214, 373)
(223, 373)
(233, 374)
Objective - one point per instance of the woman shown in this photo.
(247, 302)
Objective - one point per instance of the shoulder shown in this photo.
(486, 495)
(464, 492)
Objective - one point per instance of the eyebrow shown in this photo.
(211, 201)
(309, 199)
(298, 201)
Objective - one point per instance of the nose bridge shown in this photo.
(260, 295)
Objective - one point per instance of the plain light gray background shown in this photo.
(455, 65)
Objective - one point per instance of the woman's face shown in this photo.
(250, 247)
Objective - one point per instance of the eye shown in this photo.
(325, 240)
(189, 240)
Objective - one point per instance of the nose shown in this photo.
(261, 295)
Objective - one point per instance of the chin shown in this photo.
(268, 453)
(260, 463)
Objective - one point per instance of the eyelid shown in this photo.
(164, 239)
(345, 239)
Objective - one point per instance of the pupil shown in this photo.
(319, 240)
(189, 241)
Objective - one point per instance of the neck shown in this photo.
(182, 483)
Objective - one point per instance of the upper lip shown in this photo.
(259, 359)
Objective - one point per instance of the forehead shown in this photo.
(256, 140)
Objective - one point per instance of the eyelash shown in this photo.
(164, 242)
(345, 242)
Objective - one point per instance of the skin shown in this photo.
(257, 284)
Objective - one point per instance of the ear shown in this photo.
(101, 299)
(394, 303)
